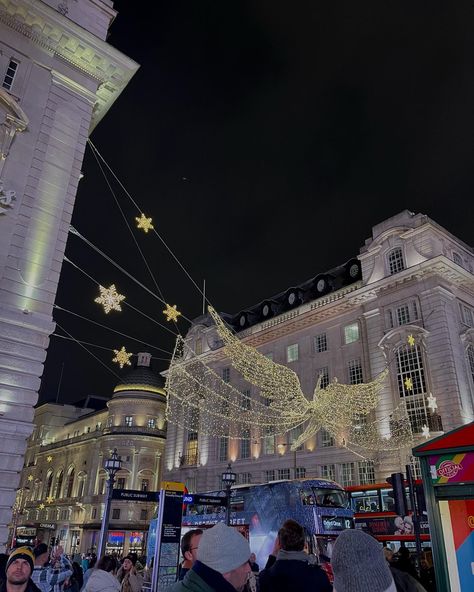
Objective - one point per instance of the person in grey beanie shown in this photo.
(359, 565)
(222, 563)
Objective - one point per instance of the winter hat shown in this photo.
(359, 565)
(223, 548)
(21, 553)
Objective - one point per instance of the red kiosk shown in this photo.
(447, 465)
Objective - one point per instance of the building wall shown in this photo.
(68, 440)
(66, 78)
(432, 286)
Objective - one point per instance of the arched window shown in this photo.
(395, 261)
(70, 483)
(48, 485)
(59, 484)
(82, 477)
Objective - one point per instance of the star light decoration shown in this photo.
(411, 340)
(144, 223)
(408, 384)
(425, 431)
(122, 357)
(49, 459)
(30, 477)
(171, 313)
(41, 507)
(110, 299)
(199, 400)
(50, 499)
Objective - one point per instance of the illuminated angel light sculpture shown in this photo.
(199, 400)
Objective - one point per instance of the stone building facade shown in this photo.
(412, 277)
(58, 78)
(63, 482)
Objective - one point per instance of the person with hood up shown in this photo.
(102, 578)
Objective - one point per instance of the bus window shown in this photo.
(388, 503)
(237, 504)
(365, 501)
(332, 498)
(306, 496)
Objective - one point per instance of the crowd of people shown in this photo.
(219, 559)
(42, 569)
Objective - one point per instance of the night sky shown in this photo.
(265, 138)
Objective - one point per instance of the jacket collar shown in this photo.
(212, 577)
(293, 555)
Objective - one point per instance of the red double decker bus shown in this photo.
(374, 512)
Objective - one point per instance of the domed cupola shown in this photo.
(141, 381)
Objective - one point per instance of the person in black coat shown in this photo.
(289, 567)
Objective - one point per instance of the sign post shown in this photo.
(168, 536)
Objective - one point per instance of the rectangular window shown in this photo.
(351, 333)
(292, 353)
(245, 400)
(223, 448)
(283, 473)
(129, 421)
(269, 475)
(410, 372)
(226, 374)
(10, 75)
(191, 457)
(245, 444)
(457, 258)
(355, 372)
(347, 474)
(94, 513)
(366, 472)
(403, 315)
(300, 473)
(145, 485)
(152, 422)
(320, 343)
(269, 441)
(395, 261)
(115, 513)
(470, 359)
(324, 374)
(244, 478)
(467, 315)
(294, 434)
(328, 472)
(143, 515)
(326, 439)
(120, 483)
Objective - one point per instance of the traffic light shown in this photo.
(396, 480)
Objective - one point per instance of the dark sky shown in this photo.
(265, 138)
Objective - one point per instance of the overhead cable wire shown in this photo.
(170, 251)
(89, 352)
(56, 306)
(96, 345)
(124, 303)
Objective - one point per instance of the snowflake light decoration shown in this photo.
(110, 299)
(49, 459)
(411, 340)
(144, 223)
(425, 431)
(432, 403)
(122, 357)
(41, 507)
(171, 313)
(50, 499)
(409, 384)
(30, 477)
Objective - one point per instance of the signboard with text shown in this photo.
(135, 495)
(452, 468)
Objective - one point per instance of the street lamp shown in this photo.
(112, 465)
(228, 478)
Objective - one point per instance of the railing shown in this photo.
(139, 430)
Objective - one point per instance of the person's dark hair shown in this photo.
(40, 549)
(186, 540)
(131, 557)
(291, 536)
(107, 563)
(92, 561)
(404, 553)
(77, 573)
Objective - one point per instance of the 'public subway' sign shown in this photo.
(134, 495)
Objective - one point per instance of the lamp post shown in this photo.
(228, 478)
(112, 465)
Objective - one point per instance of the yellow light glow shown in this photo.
(110, 299)
(144, 223)
(171, 313)
(122, 358)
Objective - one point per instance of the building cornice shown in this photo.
(63, 39)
